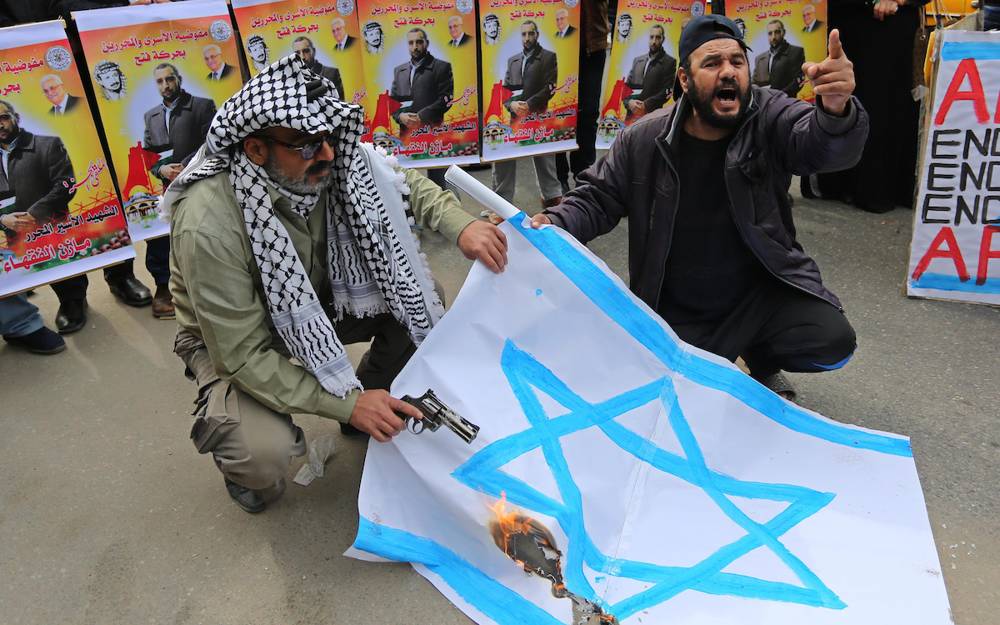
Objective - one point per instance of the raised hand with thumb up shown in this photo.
(833, 78)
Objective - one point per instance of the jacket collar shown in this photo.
(25, 142)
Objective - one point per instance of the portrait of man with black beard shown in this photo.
(532, 74)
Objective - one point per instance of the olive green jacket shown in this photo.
(218, 294)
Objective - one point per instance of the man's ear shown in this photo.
(256, 150)
(683, 77)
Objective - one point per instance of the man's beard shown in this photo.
(302, 185)
(529, 48)
(7, 137)
(703, 105)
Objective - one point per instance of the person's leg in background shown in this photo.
(158, 265)
(72, 294)
(505, 179)
(22, 326)
(548, 183)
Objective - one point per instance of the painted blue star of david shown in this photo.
(483, 472)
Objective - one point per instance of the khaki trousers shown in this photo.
(253, 445)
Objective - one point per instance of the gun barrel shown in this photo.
(465, 429)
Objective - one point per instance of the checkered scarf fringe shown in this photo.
(370, 270)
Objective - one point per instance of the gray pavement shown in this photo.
(108, 515)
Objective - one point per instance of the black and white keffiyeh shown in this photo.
(371, 268)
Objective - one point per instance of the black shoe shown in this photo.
(131, 291)
(806, 188)
(349, 430)
(247, 499)
(72, 316)
(871, 205)
(41, 341)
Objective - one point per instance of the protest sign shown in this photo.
(782, 34)
(420, 63)
(955, 251)
(639, 75)
(530, 75)
(323, 32)
(637, 478)
(141, 57)
(59, 212)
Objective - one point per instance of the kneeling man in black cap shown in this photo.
(719, 262)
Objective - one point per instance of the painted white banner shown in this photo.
(642, 480)
(955, 252)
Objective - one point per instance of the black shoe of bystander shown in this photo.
(131, 291)
(72, 316)
(41, 341)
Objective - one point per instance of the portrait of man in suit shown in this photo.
(742, 25)
(531, 74)
(109, 77)
(176, 127)
(218, 69)
(424, 84)
(809, 21)
(652, 76)
(339, 30)
(624, 28)
(563, 27)
(458, 36)
(491, 29)
(62, 102)
(781, 66)
(259, 53)
(32, 173)
(304, 48)
(374, 37)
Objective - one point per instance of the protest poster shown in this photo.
(610, 473)
(530, 75)
(59, 214)
(782, 34)
(141, 57)
(639, 75)
(323, 32)
(420, 62)
(955, 250)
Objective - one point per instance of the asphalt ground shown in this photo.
(108, 515)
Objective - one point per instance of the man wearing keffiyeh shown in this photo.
(291, 239)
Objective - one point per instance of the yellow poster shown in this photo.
(530, 71)
(420, 63)
(783, 35)
(639, 75)
(159, 71)
(59, 214)
(323, 32)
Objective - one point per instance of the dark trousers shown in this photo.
(157, 263)
(777, 327)
(591, 77)
(882, 53)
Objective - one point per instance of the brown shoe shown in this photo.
(549, 203)
(163, 303)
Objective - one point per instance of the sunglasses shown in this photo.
(306, 150)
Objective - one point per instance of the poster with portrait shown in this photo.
(420, 62)
(323, 32)
(639, 75)
(530, 75)
(59, 214)
(159, 72)
(783, 35)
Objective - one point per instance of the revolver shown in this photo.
(437, 413)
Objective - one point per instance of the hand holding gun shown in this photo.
(437, 413)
